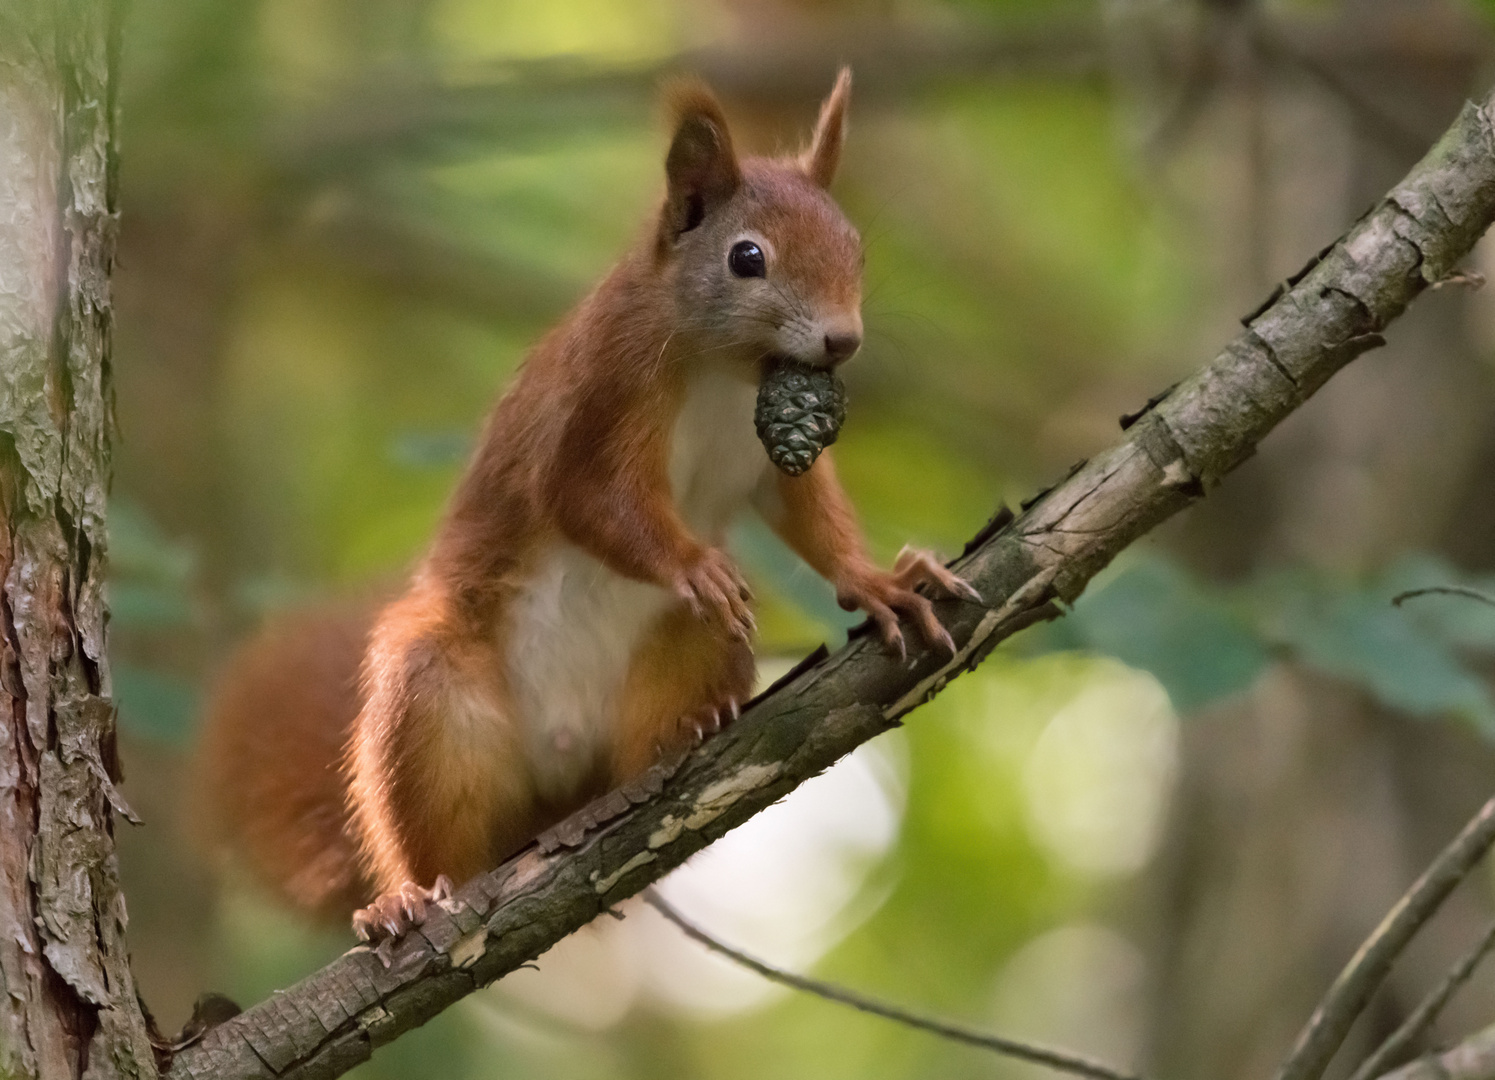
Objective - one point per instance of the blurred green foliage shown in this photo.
(1427, 658)
(345, 220)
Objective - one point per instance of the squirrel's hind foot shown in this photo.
(394, 914)
(706, 722)
(696, 726)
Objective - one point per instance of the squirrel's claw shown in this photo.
(716, 592)
(915, 567)
(710, 719)
(394, 914)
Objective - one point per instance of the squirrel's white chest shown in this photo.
(576, 623)
(716, 461)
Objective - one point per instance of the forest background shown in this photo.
(1152, 831)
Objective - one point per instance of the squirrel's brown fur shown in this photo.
(576, 616)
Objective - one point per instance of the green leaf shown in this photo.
(1356, 634)
(1155, 617)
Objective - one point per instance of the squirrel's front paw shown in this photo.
(716, 591)
(887, 597)
(392, 915)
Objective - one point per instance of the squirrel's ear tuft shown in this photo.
(824, 154)
(701, 166)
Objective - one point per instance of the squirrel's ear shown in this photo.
(824, 154)
(701, 166)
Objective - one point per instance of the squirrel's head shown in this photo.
(764, 260)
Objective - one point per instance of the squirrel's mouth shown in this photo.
(774, 360)
(771, 361)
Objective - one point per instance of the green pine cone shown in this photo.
(799, 413)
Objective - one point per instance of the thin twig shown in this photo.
(1445, 590)
(1472, 1059)
(1426, 1014)
(1366, 971)
(1062, 1060)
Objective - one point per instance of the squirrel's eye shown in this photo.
(746, 260)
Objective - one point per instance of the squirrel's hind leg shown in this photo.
(687, 679)
(438, 781)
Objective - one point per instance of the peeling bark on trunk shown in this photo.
(67, 1002)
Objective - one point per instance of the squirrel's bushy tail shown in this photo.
(269, 762)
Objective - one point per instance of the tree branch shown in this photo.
(1367, 969)
(1444, 590)
(1026, 568)
(1428, 1010)
(1472, 1059)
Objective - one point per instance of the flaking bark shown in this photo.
(67, 1002)
(1175, 451)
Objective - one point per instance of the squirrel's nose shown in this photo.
(840, 345)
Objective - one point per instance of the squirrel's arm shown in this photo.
(609, 492)
(609, 488)
(815, 517)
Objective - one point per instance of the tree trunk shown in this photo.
(68, 1006)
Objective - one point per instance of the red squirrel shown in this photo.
(576, 617)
